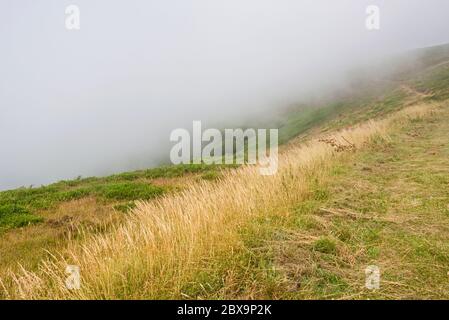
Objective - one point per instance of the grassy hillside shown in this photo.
(216, 240)
(226, 232)
(17, 207)
(33, 220)
(385, 205)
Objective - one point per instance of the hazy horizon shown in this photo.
(104, 99)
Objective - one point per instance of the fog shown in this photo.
(104, 99)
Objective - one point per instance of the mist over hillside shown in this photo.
(105, 98)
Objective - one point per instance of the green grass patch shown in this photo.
(12, 216)
(211, 176)
(325, 245)
(130, 191)
(127, 186)
(125, 207)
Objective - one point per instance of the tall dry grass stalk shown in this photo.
(164, 242)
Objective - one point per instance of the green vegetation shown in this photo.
(344, 113)
(130, 191)
(325, 245)
(125, 207)
(436, 82)
(24, 206)
(210, 176)
(305, 118)
(12, 216)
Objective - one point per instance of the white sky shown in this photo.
(105, 98)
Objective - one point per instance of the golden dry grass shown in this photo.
(159, 248)
(25, 246)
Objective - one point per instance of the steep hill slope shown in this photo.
(341, 201)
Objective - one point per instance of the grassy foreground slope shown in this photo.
(307, 232)
(34, 220)
(386, 205)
